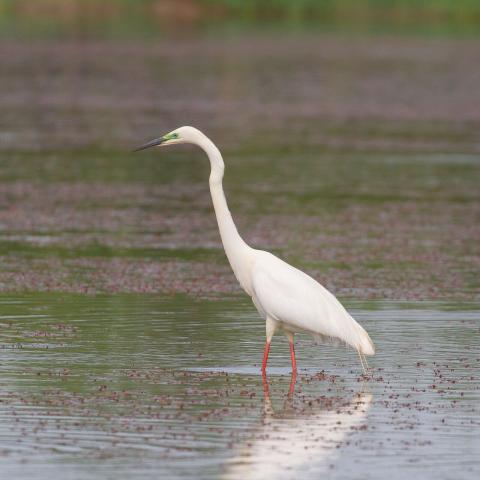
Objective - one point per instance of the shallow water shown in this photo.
(354, 158)
(139, 386)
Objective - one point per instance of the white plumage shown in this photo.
(288, 299)
(298, 303)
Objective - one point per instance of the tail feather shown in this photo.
(365, 344)
(355, 336)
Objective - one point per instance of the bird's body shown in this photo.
(295, 302)
(288, 299)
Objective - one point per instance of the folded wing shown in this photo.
(292, 297)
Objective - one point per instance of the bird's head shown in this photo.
(180, 135)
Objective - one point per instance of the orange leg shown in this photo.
(293, 380)
(265, 356)
(292, 356)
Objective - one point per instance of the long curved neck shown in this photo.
(235, 247)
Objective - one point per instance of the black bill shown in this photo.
(153, 143)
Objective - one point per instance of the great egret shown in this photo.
(288, 299)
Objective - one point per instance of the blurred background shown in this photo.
(350, 131)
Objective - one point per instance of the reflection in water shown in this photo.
(289, 440)
(139, 386)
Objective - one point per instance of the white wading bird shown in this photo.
(288, 299)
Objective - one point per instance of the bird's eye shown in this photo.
(174, 135)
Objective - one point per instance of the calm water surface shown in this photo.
(354, 158)
(139, 386)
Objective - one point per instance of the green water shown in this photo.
(128, 350)
(138, 386)
(353, 158)
(377, 223)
